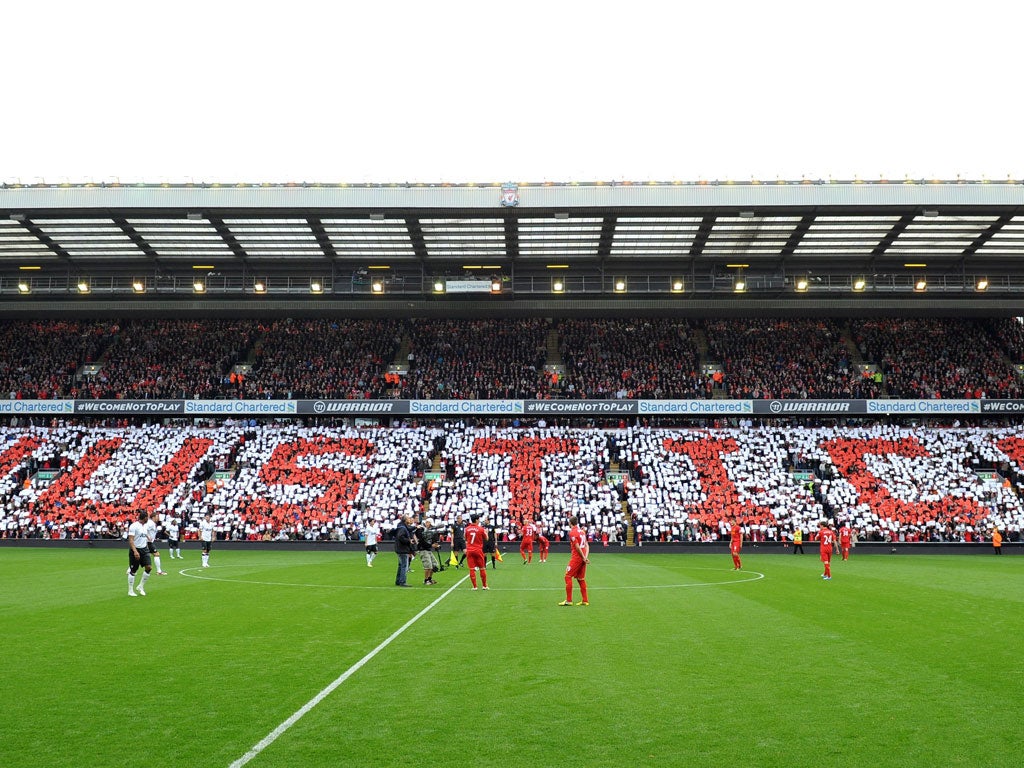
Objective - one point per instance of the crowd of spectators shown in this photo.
(323, 358)
(285, 480)
(937, 358)
(887, 482)
(476, 359)
(171, 359)
(643, 358)
(1008, 333)
(604, 358)
(39, 358)
(795, 358)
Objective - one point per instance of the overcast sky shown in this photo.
(490, 91)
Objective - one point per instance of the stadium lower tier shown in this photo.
(286, 480)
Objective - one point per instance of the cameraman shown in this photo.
(427, 540)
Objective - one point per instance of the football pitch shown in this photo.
(273, 659)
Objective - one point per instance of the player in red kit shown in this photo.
(577, 568)
(526, 547)
(845, 537)
(476, 535)
(543, 546)
(826, 538)
(735, 545)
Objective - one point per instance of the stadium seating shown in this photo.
(604, 358)
(325, 482)
(940, 357)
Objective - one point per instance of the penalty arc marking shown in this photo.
(751, 576)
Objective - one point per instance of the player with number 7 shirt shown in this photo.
(578, 560)
(476, 535)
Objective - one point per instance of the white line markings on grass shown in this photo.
(746, 578)
(271, 737)
(203, 576)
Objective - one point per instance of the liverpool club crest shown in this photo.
(509, 195)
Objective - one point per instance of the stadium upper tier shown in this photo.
(660, 484)
(812, 245)
(489, 359)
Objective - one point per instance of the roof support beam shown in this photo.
(604, 243)
(419, 245)
(322, 239)
(797, 235)
(140, 242)
(897, 229)
(512, 237)
(985, 236)
(225, 235)
(701, 238)
(46, 240)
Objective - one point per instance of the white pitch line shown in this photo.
(271, 737)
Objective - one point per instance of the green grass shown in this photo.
(898, 661)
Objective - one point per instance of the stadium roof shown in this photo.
(595, 241)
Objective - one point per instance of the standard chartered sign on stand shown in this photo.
(241, 407)
(37, 406)
(924, 407)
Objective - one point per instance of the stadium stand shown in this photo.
(337, 358)
(937, 357)
(790, 358)
(487, 359)
(294, 481)
(155, 359)
(40, 359)
(476, 359)
(650, 357)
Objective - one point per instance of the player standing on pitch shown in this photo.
(578, 560)
(543, 545)
(138, 554)
(845, 537)
(476, 535)
(526, 547)
(152, 529)
(826, 538)
(736, 544)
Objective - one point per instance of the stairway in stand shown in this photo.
(630, 533)
(857, 361)
(553, 362)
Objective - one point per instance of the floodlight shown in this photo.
(439, 286)
(739, 285)
(24, 287)
(83, 286)
(377, 286)
(677, 285)
(859, 283)
(981, 284)
(316, 286)
(495, 285)
(801, 284)
(557, 285)
(138, 286)
(619, 285)
(921, 285)
(199, 286)
(259, 287)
